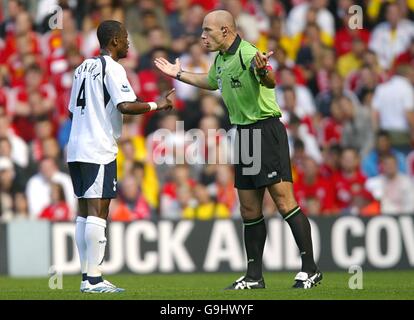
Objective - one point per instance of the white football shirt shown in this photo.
(99, 85)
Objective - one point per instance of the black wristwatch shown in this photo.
(178, 76)
(262, 72)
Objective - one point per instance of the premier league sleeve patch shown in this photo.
(125, 88)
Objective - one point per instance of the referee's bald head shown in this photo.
(222, 18)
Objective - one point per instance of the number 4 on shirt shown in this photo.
(81, 99)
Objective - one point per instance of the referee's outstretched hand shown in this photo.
(168, 68)
(166, 103)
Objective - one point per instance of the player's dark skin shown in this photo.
(118, 49)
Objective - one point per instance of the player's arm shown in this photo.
(174, 70)
(139, 107)
(263, 69)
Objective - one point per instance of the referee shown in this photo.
(241, 73)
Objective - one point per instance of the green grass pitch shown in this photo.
(209, 286)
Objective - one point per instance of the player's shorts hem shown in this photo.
(93, 181)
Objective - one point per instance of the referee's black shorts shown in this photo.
(269, 166)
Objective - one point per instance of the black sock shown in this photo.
(301, 229)
(254, 241)
(95, 280)
(84, 276)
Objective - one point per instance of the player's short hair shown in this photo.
(107, 30)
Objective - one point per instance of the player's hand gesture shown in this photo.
(168, 68)
(166, 103)
(261, 60)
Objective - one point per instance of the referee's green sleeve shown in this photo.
(212, 78)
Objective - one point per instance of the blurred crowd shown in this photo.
(345, 83)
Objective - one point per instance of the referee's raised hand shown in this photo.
(261, 60)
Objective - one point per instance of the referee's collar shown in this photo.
(234, 46)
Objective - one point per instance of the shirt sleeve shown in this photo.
(72, 101)
(212, 77)
(118, 86)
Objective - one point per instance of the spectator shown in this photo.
(312, 189)
(188, 29)
(43, 129)
(20, 208)
(8, 188)
(18, 43)
(19, 148)
(169, 204)
(165, 145)
(300, 131)
(58, 210)
(206, 208)
(197, 61)
(34, 99)
(392, 189)
(335, 89)
(304, 98)
(330, 128)
(345, 36)
(222, 190)
(152, 84)
(391, 38)
(393, 104)
(311, 48)
(407, 57)
(8, 26)
(211, 105)
(349, 184)
(363, 81)
(132, 204)
(296, 20)
(20, 174)
(319, 80)
(51, 149)
(246, 22)
(39, 186)
(352, 61)
(281, 61)
(278, 34)
(331, 161)
(371, 163)
(356, 129)
(156, 37)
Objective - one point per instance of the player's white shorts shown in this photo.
(93, 181)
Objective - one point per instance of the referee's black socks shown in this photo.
(254, 240)
(301, 229)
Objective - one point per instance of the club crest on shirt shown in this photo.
(235, 82)
(125, 88)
